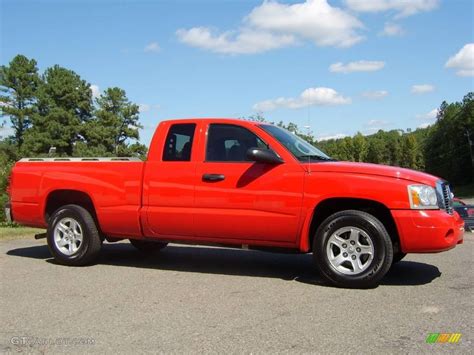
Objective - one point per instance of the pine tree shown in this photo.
(64, 105)
(115, 126)
(19, 82)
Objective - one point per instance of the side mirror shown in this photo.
(262, 155)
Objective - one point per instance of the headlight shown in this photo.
(422, 197)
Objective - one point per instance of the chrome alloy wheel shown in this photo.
(350, 250)
(68, 236)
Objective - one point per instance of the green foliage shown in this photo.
(377, 149)
(411, 155)
(9, 225)
(449, 149)
(258, 117)
(7, 157)
(444, 149)
(18, 85)
(64, 106)
(360, 147)
(116, 124)
(56, 110)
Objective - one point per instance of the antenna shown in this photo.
(308, 134)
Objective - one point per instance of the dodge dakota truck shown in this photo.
(237, 183)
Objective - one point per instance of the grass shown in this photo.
(466, 191)
(10, 233)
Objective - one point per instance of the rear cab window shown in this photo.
(179, 142)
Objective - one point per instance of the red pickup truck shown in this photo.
(240, 184)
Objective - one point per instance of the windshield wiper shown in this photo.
(316, 157)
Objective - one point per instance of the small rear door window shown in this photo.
(179, 142)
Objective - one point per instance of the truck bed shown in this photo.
(113, 184)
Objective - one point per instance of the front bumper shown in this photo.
(428, 231)
(8, 213)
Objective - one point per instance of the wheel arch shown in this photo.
(332, 205)
(61, 197)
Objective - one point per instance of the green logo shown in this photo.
(443, 338)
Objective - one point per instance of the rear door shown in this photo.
(169, 183)
(240, 199)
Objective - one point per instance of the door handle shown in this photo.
(213, 177)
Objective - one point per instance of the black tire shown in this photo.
(366, 225)
(88, 249)
(398, 257)
(147, 246)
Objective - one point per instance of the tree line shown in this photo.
(55, 113)
(57, 109)
(444, 149)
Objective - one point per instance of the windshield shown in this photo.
(301, 149)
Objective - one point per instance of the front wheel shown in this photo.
(73, 237)
(352, 249)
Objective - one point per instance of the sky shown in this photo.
(333, 67)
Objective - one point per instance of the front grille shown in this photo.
(445, 197)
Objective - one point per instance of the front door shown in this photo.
(244, 200)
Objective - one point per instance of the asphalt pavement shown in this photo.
(189, 299)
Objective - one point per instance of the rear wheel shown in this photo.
(147, 246)
(352, 249)
(73, 237)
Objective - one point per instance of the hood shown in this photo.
(375, 169)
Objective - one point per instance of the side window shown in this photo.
(179, 142)
(227, 142)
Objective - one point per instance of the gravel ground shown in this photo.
(202, 299)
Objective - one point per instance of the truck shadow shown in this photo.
(297, 267)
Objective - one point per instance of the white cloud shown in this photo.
(314, 20)
(244, 42)
(310, 97)
(152, 47)
(375, 95)
(425, 125)
(392, 29)
(95, 91)
(403, 8)
(359, 66)
(273, 25)
(429, 115)
(144, 108)
(376, 124)
(463, 61)
(147, 107)
(422, 88)
(326, 137)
